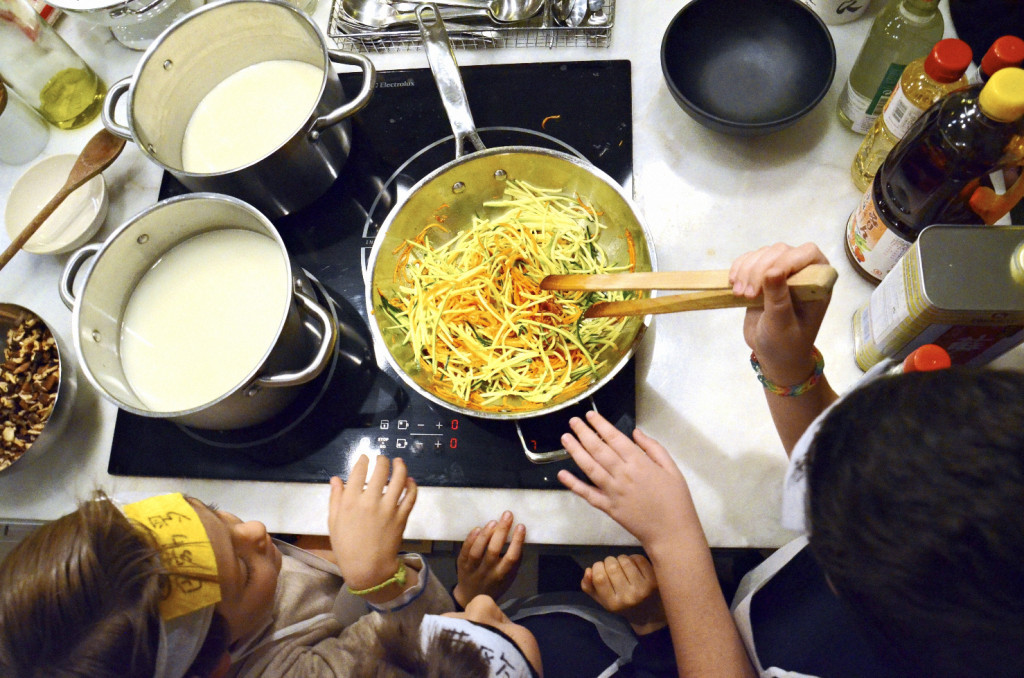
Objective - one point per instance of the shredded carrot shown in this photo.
(544, 122)
(472, 310)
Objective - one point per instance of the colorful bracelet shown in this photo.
(798, 389)
(397, 578)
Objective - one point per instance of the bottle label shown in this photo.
(861, 110)
(900, 113)
(875, 247)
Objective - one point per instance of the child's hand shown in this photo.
(626, 585)
(366, 524)
(782, 334)
(636, 482)
(482, 569)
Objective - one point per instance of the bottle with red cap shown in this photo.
(923, 82)
(926, 358)
(1005, 52)
(934, 168)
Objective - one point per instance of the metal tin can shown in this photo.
(960, 287)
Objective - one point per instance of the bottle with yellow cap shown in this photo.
(930, 176)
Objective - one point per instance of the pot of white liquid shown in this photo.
(240, 97)
(192, 311)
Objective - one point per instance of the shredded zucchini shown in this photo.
(476, 318)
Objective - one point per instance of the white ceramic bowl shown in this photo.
(76, 219)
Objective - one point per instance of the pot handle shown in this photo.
(360, 100)
(546, 457)
(109, 102)
(323, 354)
(66, 285)
(448, 78)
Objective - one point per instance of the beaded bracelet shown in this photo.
(397, 578)
(798, 389)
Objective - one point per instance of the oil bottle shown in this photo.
(934, 169)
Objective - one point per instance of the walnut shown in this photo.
(29, 377)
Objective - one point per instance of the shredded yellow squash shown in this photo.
(474, 314)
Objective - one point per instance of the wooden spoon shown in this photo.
(99, 152)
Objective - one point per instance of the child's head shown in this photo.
(481, 642)
(916, 513)
(91, 593)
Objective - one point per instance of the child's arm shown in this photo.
(639, 485)
(782, 334)
(366, 526)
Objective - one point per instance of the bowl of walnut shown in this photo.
(36, 386)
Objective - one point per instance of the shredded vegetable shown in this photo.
(474, 314)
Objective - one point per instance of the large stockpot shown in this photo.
(305, 337)
(463, 185)
(206, 46)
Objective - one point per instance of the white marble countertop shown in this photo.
(706, 198)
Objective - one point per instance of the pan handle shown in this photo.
(546, 457)
(441, 58)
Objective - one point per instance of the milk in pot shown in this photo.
(249, 114)
(202, 318)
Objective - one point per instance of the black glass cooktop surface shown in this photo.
(356, 406)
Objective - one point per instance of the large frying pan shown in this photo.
(463, 185)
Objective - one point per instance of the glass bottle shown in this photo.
(924, 81)
(23, 134)
(44, 70)
(903, 31)
(934, 170)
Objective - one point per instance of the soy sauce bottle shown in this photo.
(931, 173)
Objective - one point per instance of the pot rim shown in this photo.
(378, 242)
(212, 7)
(76, 329)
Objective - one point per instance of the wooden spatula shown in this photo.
(814, 282)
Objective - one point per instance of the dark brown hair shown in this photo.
(398, 652)
(79, 597)
(916, 512)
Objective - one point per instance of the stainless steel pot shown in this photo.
(200, 50)
(464, 185)
(298, 354)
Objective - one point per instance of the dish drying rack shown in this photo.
(540, 31)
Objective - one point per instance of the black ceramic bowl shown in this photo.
(747, 67)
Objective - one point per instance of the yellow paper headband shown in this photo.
(185, 550)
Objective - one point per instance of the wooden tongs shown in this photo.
(811, 283)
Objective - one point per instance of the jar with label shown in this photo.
(44, 70)
(959, 287)
(23, 134)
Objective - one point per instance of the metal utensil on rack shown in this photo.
(500, 11)
(570, 13)
(381, 14)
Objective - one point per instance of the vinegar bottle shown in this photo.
(903, 31)
(924, 81)
(934, 169)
